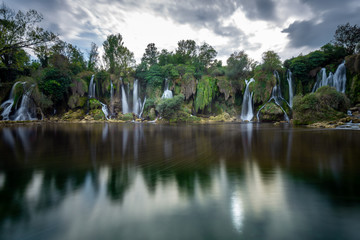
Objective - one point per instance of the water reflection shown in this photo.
(138, 181)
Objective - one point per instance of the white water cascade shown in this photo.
(167, 93)
(291, 90)
(111, 98)
(277, 97)
(124, 103)
(104, 108)
(336, 80)
(92, 88)
(137, 104)
(247, 112)
(26, 111)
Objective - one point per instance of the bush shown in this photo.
(94, 104)
(326, 104)
(168, 107)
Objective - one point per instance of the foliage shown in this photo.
(325, 104)
(154, 77)
(117, 57)
(238, 65)
(205, 93)
(94, 104)
(168, 107)
(20, 30)
(271, 61)
(55, 84)
(93, 56)
(347, 36)
(151, 55)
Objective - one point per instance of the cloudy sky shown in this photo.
(288, 27)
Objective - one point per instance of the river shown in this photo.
(151, 181)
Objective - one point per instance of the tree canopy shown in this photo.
(347, 36)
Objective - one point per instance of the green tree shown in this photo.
(347, 36)
(118, 58)
(271, 61)
(20, 30)
(186, 51)
(93, 57)
(151, 55)
(238, 65)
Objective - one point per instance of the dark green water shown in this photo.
(143, 181)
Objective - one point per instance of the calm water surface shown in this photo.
(144, 181)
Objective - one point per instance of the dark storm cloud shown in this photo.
(259, 9)
(320, 30)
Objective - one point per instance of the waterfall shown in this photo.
(247, 106)
(167, 93)
(8, 104)
(277, 97)
(92, 88)
(291, 91)
(26, 111)
(142, 107)
(137, 104)
(124, 103)
(105, 110)
(111, 97)
(136, 99)
(337, 80)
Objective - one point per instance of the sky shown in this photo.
(288, 27)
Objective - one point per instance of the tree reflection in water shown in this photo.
(220, 180)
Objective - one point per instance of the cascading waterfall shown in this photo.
(247, 113)
(291, 90)
(104, 108)
(277, 97)
(111, 97)
(136, 99)
(92, 88)
(124, 103)
(26, 111)
(337, 80)
(8, 104)
(137, 104)
(167, 93)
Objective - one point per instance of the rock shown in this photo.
(271, 113)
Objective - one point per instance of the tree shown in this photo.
(207, 55)
(238, 65)
(271, 61)
(118, 58)
(186, 51)
(20, 30)
(151, 55)
(93, 57)
(347, 36)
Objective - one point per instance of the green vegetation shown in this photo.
(325, 104)
(202, 86)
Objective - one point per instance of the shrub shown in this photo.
(168, 107)
(326, 104)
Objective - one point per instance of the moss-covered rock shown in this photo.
(152, 114)
(326, 104)
(97, 114)
(226, 88)
(125, 117)
(262, 87)
(188, 86)
(221, 118)
(94, 104)
(271, 113)
(75, 101)
(72, 115)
